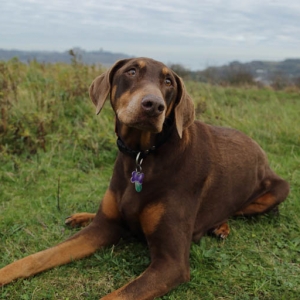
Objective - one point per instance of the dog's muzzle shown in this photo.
(153, 105)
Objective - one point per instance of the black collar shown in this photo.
(161, 139)
(133, 153)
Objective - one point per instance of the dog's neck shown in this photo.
(132, 141)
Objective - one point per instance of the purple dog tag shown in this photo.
(137, 179)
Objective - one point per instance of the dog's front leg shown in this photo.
(169, 243)
(103, 231)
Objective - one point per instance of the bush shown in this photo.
(37, 100)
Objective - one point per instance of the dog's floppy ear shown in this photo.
(100, 87)
(184, 109)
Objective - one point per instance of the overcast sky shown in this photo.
(196, 33)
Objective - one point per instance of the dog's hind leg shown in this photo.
(276, 191)
(221, 231)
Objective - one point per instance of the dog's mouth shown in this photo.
(142, 122)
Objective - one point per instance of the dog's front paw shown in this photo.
(79, 219)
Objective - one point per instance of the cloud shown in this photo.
(181, 31)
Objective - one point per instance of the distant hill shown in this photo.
(105, 58)
(290, 67)
(265, 72)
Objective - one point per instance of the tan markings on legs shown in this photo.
(141, 291)
(77, 247)
(169, 258)
(150, 217)
(222, 231)
(120, 294)
(79, 219)
(260, 205)
(154, 282)
(110, 206)
(115, 295)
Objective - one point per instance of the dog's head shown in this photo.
(143, 93)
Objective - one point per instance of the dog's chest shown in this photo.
(130, 206)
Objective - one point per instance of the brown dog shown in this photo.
(174, 180)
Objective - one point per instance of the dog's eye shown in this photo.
(131, 72)
(168, 82)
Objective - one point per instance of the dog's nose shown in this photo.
(153, 105)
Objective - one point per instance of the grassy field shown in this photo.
(56, 158)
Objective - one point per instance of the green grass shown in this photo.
(259, 260)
